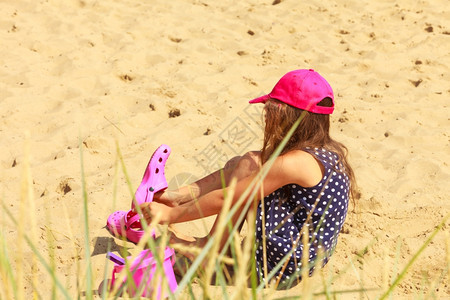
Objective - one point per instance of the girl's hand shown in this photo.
(152, 210)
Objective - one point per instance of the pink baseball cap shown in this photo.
(303, 89)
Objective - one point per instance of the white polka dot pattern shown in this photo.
(320, 209)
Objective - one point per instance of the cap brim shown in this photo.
(261, 99)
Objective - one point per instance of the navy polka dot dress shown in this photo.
(321, 209)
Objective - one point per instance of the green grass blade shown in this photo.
(38, 255)
(6, 272)
(221, 280)
(87, 251)
(402, 274)
(333, 293)
(104, 292)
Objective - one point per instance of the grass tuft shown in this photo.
(37, 259)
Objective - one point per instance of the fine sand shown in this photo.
(137, 74)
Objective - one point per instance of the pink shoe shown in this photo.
(143, 269)
(127, 224)
(154, 179)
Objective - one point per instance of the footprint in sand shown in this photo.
(66, 185)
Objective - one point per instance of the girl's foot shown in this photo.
(185, 245)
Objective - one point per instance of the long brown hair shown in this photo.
(313, 131)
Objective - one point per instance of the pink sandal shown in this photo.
(143, 271)
(154, 179)
(127, 223)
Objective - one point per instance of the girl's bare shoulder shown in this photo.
(302, 167)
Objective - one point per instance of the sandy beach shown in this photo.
(81, 79)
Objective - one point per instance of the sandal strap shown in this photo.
(132, 220)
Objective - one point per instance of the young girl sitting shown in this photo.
(306, 190)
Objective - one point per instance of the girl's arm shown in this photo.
(295, 167)
(187, 194)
